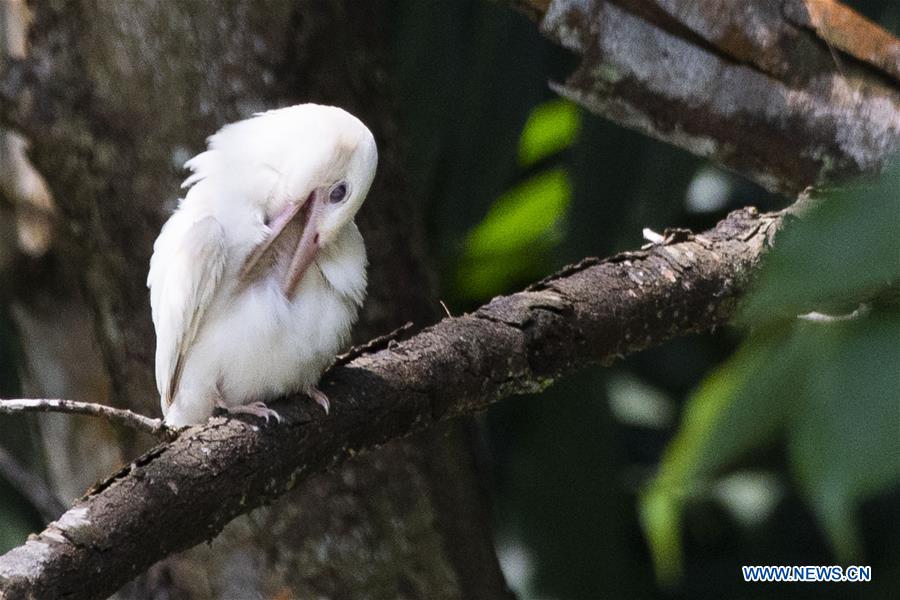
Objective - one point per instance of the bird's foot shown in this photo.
(257, 409)
(320, 398)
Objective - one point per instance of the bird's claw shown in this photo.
(257, 409)
(321, 399)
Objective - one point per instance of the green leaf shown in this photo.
(529, 212)
(844, 443)
(513, 242)
(828, 389)
(551, 127)
(843, 250)
(660, 514)
(522, 226)
(740, 406)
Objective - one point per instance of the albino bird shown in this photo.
(259, 274)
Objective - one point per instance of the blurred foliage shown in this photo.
(551, 128)
(847, 249)
(523, 223)
(527, 221)
(829, 389)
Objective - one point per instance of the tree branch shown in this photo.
(788, 93)
(119, 416)
(182, 493)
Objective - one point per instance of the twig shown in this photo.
(32, 487)
(819, 317)
(119, 416)
(653, 237)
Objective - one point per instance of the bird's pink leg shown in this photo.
(257, 409)
(320, 398)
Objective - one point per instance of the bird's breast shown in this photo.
(259, 343)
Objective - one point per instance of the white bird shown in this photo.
(258, 276)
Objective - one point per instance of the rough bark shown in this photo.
(182, 493)
(790, 93)
(20, 183)
(114, 97)
(42, 300)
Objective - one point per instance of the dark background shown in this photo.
(564, 467)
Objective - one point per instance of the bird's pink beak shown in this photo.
(306, 216)
(308, 246)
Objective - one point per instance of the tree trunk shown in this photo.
(789, 94)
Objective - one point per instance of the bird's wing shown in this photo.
(185, 272)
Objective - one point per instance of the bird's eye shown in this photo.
(338, 193)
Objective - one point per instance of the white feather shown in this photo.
(220, 339)
(181, 292)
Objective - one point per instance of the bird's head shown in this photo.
(327, 175)
(308, 164)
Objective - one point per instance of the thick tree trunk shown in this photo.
(121, 94)
(789, 93)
